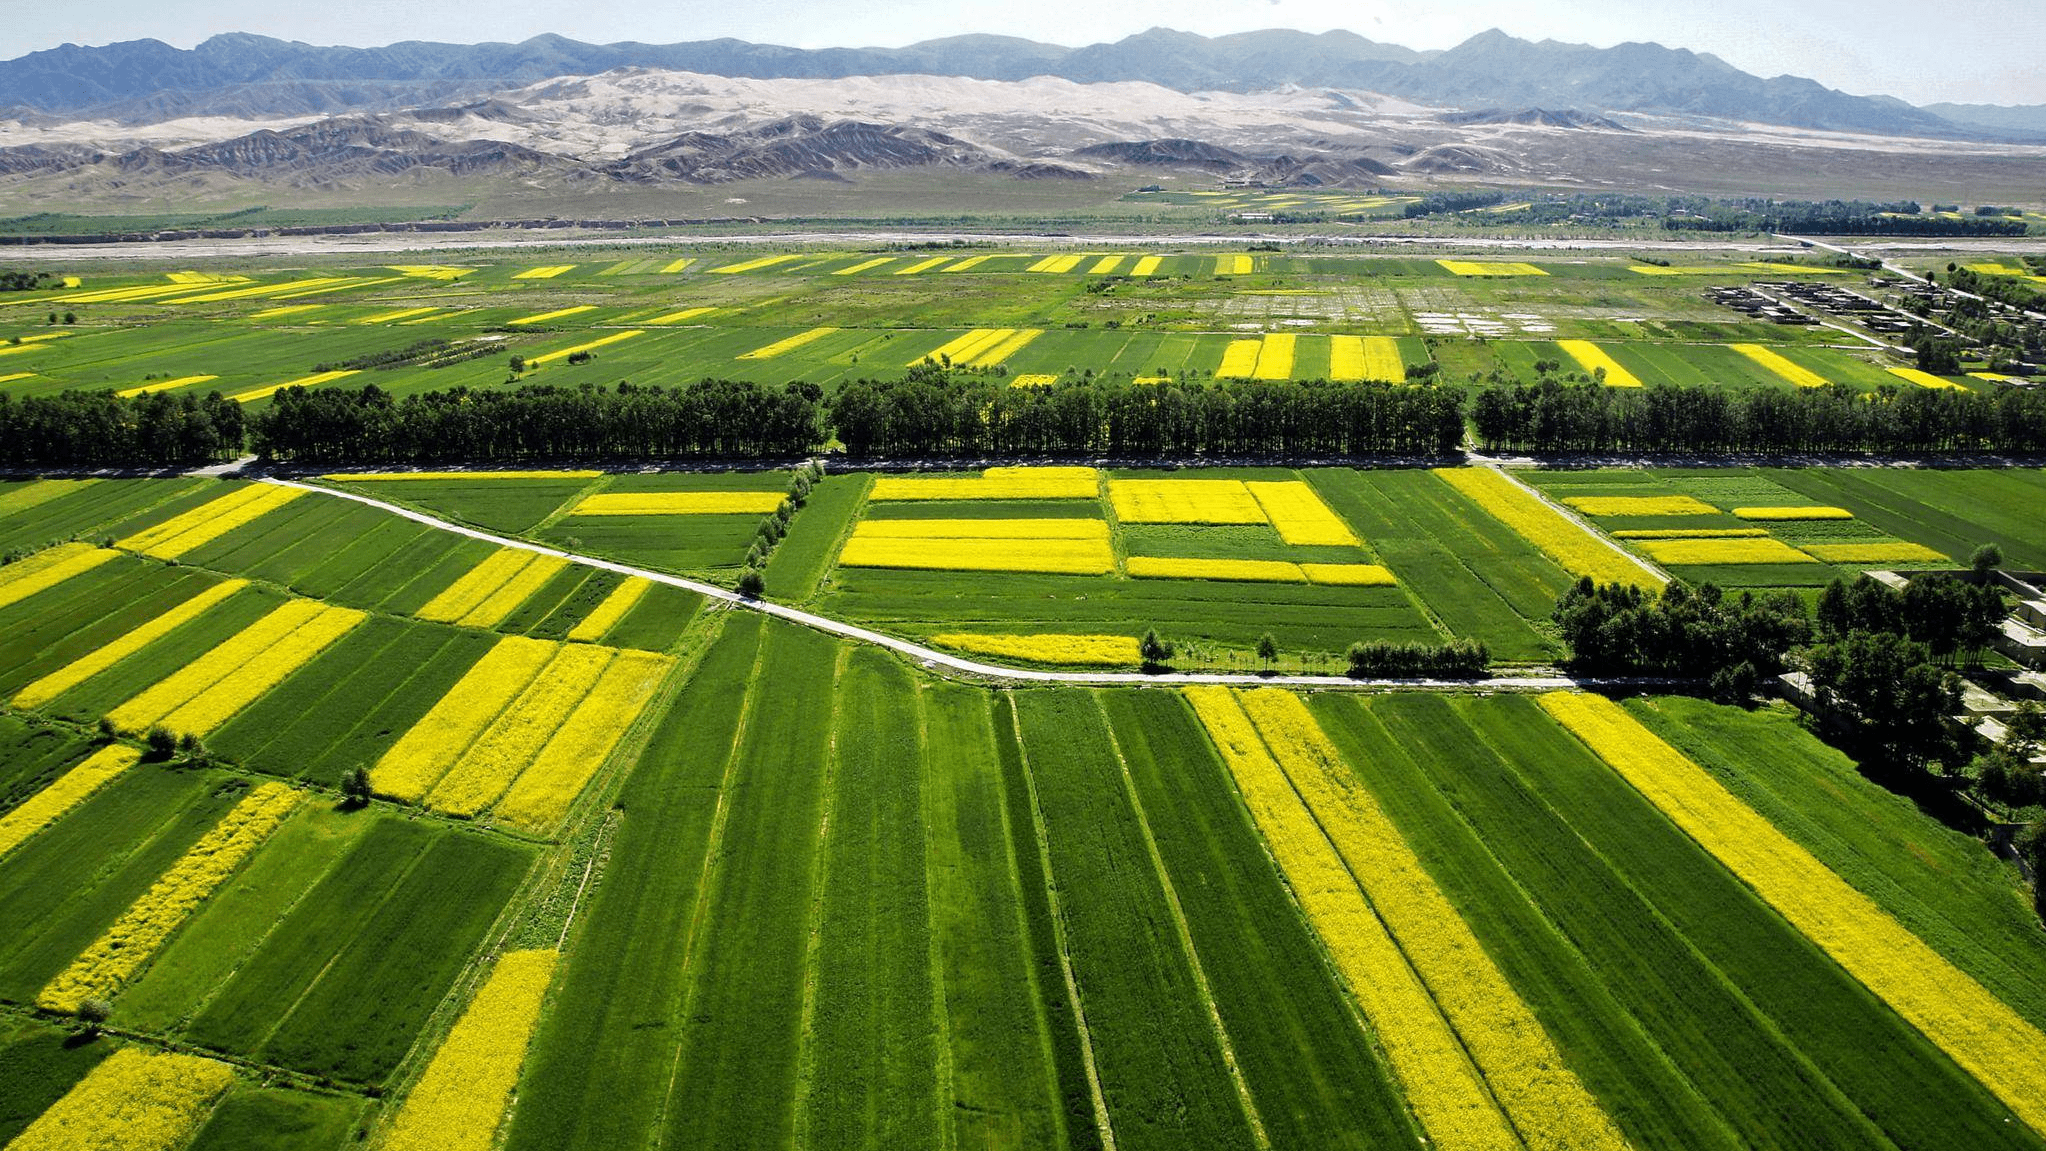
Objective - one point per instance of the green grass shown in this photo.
(33, 754)
(164, 656)
(1308, 1061)
(714, 544)
(92, 511)
(807, 551)
(600, 1068)
(46, 632)
(657, 621)
(38, 1064)
(273, 1119)
(1156, 1052)
(736, 1084)
(1950, 511)
(871, 1056)
(499, 505)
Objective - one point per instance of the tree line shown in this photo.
(102, 430)
(1561, 417)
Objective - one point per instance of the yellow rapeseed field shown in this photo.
(39, 492)
(1148, 266)
(999, 353)
(425, 752)
(1239, 571)
(1300, 515)
(1982, 1034)
(1057, 264)
(541, 796)
(1012, 483)
(1690, 533)
(1071, 547)
(508, 745)
(544, 273)
(1184, 502)
(64, 793)
(1239, 359)
(1234, 265)
(591, 346)
(163, 386)
(429, 271)
(180, 687)
(1490, 268)
(678, 317)
(1036, 380)
(1592, 358)
(1106, 265)
(1606, 506)
(133, 1101)
(1088, 650)
(968, 264)
(1548, 1105)
(678, 504)
(1781, 365)
(1349, 575)
(785, 346)
(623, 598)
(558, 314)
(312, 381)
(1275, 357)
(1876, 552)
(113, 960)
(1441, 1085)
(1353, 358)
(48, 568)
(1711, 552)
(391, 317)
(1925, 379)
(864, 266)
(964, 348)
(1820, 512)
(492, 609)
(1570, 546)
(206, 712)
(460, 1101)
(191, 530)
(481, 584)
(922, 266)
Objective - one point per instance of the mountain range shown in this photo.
(250, 76)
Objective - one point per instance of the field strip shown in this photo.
(64, 793)
(1961, 1017)
(922, 266)
(135, 1100)
(135, 639)
(1148, 266)
(46, 569)
(163, 386)
(303, 382)
(1594, 359)
(931, 658)
(1781, 365)
(593, 345)
(864, 266)
(1553, 529)
(543, 317)
(678, 317)
(1186, 941)
(459, 1103)
(780, 347)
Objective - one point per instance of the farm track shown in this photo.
(934, 660)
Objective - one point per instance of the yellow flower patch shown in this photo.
(1549, 1106)
(1299, 514)
(1056, 264)
(189, 682)
(459, 1103)
(623, 598)
(922, 266)
(1569, 545)
(1016, 342)
(508, 745)
(784, 346)
(593, 345)
(1793, 513)
(48, 568)
(1878, 552)
(493, 589)
(1593, 358)
(864, 266)
(1349, 575)
(990, 551)
(557, 314)
(541, 797)
(134, 1101)
(1148, 266)
(1275, 357)
(1606, 506)
(312, 381)
(1106, 265)
(1782, 365)
(754, 265)
(113, 960)
(1982, 1034)
(1690, 533)
(67, 791)
(1036, 380)
(155, 386)
(191, 530)
(1032, 529)
(1184, 502)
(678, 504)
(544, 273)
(1014, 483)
(1716, 552)
(1242, 571)
(1086, 650)
(1356, 358)
(425, 752)
(678, 317)
(1925, 379)
(1490, 268)
(206, 712)
(1234, 265)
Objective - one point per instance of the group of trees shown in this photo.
(753, 578)
(728, 419)
(933, 412)
(1730, 641)
(1835, 218)
(102, 430)
(1389, 659)
(1555, 416)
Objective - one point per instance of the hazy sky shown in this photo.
(1963, 50)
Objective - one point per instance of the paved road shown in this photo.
(958, 665)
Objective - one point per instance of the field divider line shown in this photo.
(932, 659)
(1102, 1123)
(820, 880)
(1570, 514)
(1200, 974)
(941, 1017)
